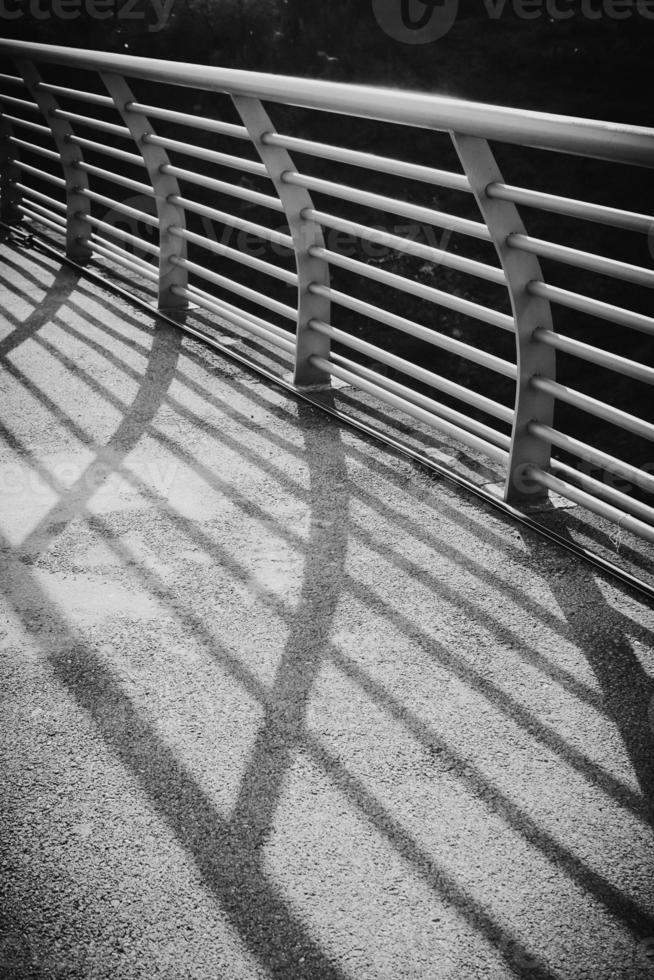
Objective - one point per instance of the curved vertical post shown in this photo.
(305, 233)
(9, 174)
(78, 229)
(529, 312)
(165, 186)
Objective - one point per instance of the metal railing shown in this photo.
(48, 180)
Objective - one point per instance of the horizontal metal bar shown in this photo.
(223, 187)
(594, 355)
(148, 219)
(593, 138)
(57, 226)
(21, 103)
(33, 148)
(593, 455)
(45, 198)
(487, 405)
(41, 174)
(26, 124)
(110, 151)
(357, 381)
(594, 407)
(236, 287)
(136, 260)
(213, 156)
(617, 516)
(391, 205)
(246, 321)
(604, 492)
(422, 291)
(437, 256)
(267, 268)
(114, 255)
(223, 217)
(185, 119)
(223, 305)
(429, 404)
(115, 178)
(598, 213)
(124, 236)
(12, 80)
(100, 124)
(582, 260)
(594, 307)
(73, 93)
(427, 334)
(369, 161)
(36, 210)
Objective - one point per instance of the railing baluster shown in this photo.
(77, 227)
(305, 233)
(165, 186)
(9, 174)
(529, 312)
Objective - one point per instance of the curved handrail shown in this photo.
(565, 134)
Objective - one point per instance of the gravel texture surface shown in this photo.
(277, 704)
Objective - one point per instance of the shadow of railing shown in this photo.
(451, 564)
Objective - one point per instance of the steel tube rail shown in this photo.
(110, 151)
(595, 407)
(21, 103)
(224, 306)
(467, 438)
(113, 178)
(119, 250)
(92, 123)
(235, 287)
(421, 290)
(41, 174)
(213, 156)
(45, 198)
(438, 256)
(479, 429)
(212, 184)
(370, 161)
(571, 208)
(11, 79)
(223, 217)
(582, 260)
(267, 268)
(584, 499)
(58, 226)
(590, 454)
(474, 354)
(33, 148)
(594, 307)
(34, 127)
(185, 119)
(594, 355)
(487, 405)
(405, 209)
(124, 236)
(611, 494)
(598, 139)
(73, 93)
(60, 219)
(116, 256)
(253, 325)
(148, 219)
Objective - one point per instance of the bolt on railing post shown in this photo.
(306, 235)
(78, 229)
(529, 312)
(9, 174)
(165, 186)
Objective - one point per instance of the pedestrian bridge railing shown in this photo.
(73, 170)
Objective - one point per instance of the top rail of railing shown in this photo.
(565, 134)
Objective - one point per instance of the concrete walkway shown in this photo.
(276, 704)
